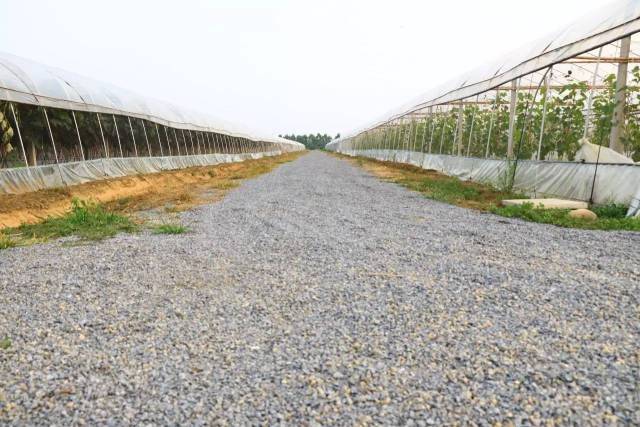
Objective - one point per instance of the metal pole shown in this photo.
(433, 128)
(175, 137)
(587, 119)
(473, 119)
(459, 130)
(415, 137)
(409, 136)
(73, 113)
(209, 143)
(217, 144)
(184, 141)
(455, 136)
(55, 152)
(384, 137)
(104, 141)
(491, 120)
(617, 127)
(198, 142)
(544, 110)
(193, 149)
(166, 135)
(424, 130)
(398, 136)
(159, 140)
(144, 129)
(512, 117)
(444, 125)
(15, 119)
(133, 136)
(115, 124)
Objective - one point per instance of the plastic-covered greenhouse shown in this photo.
(558, 117)
(58, 128)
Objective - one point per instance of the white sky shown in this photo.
(280, 66)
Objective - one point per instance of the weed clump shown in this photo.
(610, 217)
(87, 220)
(170, 229)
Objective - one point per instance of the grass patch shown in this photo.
(437, 186)
(610, 217)
(87, 220)
(170, 229)
(7, 242)
(5, 343)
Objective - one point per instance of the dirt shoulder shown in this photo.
(174, 191)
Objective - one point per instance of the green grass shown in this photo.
(87, 220)
(610, 217)
(6, 242)
(170, 229)
(5, 343)
(482, 197)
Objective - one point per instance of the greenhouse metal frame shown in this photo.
(59, 128)
(559, 117)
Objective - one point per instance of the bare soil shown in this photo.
(173, 191)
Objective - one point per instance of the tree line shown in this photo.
(310, 141)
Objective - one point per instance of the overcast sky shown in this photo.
(280, 66)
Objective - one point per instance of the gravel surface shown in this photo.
(319, 294)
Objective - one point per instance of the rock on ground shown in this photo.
(319, 294)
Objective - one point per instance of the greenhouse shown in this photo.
(59, 128)
(558, 117)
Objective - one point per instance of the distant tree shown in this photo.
(310, 141)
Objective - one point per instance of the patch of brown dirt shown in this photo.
(174, 190)
(412, 177)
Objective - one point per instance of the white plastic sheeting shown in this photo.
(593, 153)
(614, 183)
(612, 22)
(22, 180)
(29, 82)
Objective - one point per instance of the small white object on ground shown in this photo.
(548, 203)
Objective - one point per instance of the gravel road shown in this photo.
(319, 294)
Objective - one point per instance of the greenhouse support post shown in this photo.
(621, 97)
(193, 147)
(444, 125)
(117, 134)
(424, 130)
(455, 145)
(473, 119)
(396, 129)
(104, 141)
(166, 135)
(409, 134)
(385, 138)
(433, 128)
(159, 140)
(587, 118)
(184, 141)
(512, 117)
(24, 152)
(198, 142)
(544, 112)
(75, 122)
(133, 137)
(491, 120)
(53, 143)
(175, 137)
(459, 130)
(144, 130)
